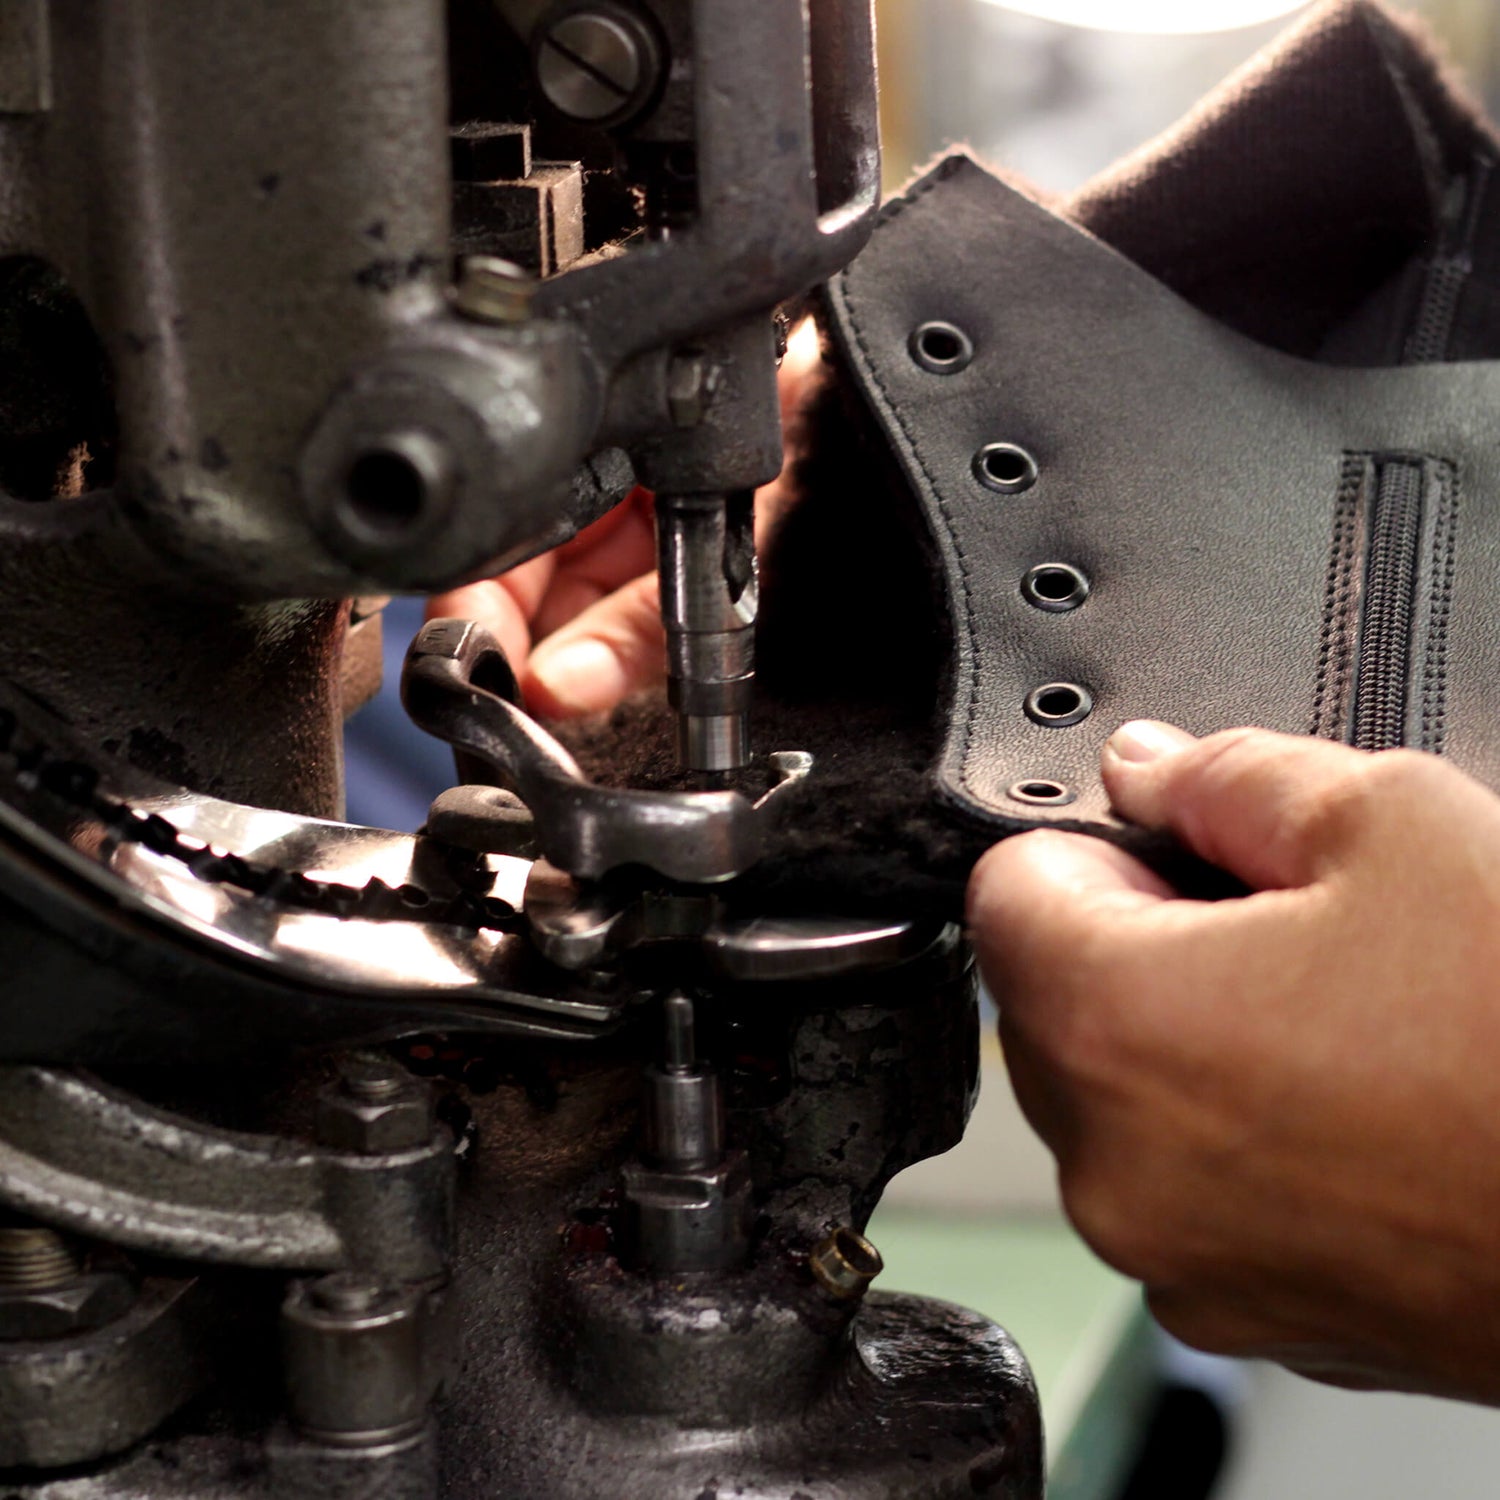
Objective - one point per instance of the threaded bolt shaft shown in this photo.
(34, 1258)
(371, 1077)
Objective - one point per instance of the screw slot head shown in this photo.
(1057, 705)
(597, 62)
(940, 348)
(1005, 468)
(1055, 587)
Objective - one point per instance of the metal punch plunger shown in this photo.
(684, 1114)
(706, 550)
(687, 1198)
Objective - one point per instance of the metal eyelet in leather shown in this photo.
(1039, 791)
(1055, 587)
(1005, 468)
(1057, 705)
(940, 348)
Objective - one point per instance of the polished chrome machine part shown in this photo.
(707, 566)
(458, 686)
(687, 1198)
(384, 919)
(414, 932)
(588, 927)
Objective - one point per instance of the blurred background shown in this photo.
(1058, 102)
(1055, 90)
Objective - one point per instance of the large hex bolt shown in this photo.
(44, 1292)
(376, 1108)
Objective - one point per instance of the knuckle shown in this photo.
(1344, 810)
(1190, 1321)
(1402, 773)
(1314, 798)
(1237, 766)
(1113, 1222)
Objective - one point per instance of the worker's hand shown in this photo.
(581, 625)
(1279, 1112)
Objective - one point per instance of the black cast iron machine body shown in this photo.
(520, 1157)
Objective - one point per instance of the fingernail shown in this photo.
(1144, 740)
(582, 677)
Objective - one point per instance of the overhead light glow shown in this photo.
(1161, 17)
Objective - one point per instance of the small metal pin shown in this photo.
(681, 1051)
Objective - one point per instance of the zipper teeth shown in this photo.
(1395, 525)
(1448, 273)
(1390, 588)
(1429, 339)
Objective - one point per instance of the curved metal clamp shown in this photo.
(457, 685)
(579, 928)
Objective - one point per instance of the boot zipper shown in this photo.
(1394, 527)
(1395, 494)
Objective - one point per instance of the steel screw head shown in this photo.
(845, 1263)
(598, 64)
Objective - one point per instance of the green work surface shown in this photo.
(1083, 1328)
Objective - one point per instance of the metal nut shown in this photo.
(83, 1303)
(401, 1121)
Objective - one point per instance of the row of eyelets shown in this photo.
(1007, 468)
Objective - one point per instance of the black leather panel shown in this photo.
(1222, 499)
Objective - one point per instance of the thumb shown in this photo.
(1265, 807)
(1040, 894)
